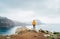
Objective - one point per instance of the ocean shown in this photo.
(52, 28)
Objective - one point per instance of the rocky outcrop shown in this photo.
(22, 29)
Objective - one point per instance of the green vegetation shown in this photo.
(54, 35)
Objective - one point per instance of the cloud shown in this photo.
(46, 10)
(53, 4)
(19, 15)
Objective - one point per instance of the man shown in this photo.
(34, 24)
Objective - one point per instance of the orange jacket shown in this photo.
(33, 22)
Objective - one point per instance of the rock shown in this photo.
(21, 30)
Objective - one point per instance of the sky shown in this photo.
(48, 11)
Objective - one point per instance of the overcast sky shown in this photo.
(47, 11)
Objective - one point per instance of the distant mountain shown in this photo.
(19, 23)
(5, 22)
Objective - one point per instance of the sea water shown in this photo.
(51, 28)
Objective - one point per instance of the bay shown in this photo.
(52, 28)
